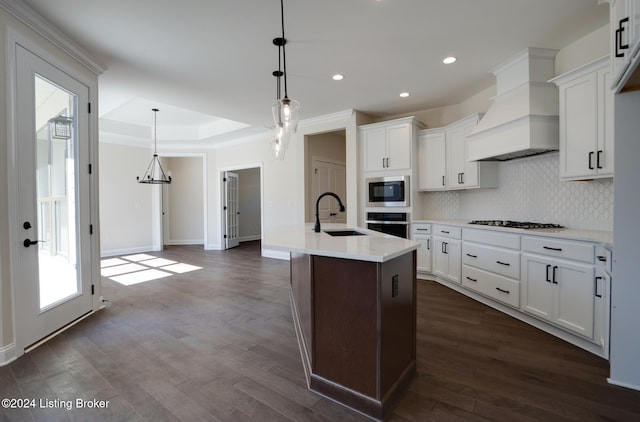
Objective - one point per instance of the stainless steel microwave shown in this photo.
(388, 191)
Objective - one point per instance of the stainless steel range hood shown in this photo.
(523, 117)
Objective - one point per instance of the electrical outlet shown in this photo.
(394, 285)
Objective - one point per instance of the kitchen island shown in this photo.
(353, 298)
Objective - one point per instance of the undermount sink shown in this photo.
(346, 232)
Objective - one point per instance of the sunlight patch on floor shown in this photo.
(138, 268)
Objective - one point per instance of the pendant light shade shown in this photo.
(154, 174)
(285, 111)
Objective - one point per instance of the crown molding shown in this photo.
(345, 114)
(30, 18)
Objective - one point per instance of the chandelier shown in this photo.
(285, 110)
(154, 174)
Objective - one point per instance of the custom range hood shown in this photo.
(523, 117)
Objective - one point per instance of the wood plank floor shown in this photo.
(218, 344)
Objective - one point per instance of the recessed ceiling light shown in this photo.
(404, 94)
(338, 77)
(449, 60)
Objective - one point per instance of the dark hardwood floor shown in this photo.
(218, 344)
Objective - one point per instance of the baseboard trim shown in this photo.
(249, 238)
(126, 251)
(8, 354)
(623, 384)
(272, 253)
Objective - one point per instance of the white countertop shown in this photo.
(598, 236)
(374, 247)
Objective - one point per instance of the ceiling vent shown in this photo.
(522, 119)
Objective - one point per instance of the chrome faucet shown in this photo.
(316, 227)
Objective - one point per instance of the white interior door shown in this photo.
(329, 177)
(231, 208)
(53, 276)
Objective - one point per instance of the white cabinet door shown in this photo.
(447, 262)
(578, 127)
(605, 148)
(375, 149)
(586, 122)
(559, 291)
(575, 296)
(455, 158)
(423, 253)
(537, 288)
(399, 147)
(432, 161)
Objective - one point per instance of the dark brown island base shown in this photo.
(354, 311)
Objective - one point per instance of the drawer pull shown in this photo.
(471, 279)
(502, 290)
(552, 249)
(444, 231)
(602, 258)
(422, 230)
(506, 264)
(472, 256)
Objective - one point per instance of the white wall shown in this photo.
(126, 206)
(185, 201)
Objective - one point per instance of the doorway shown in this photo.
(325, 170)
(53, 279)
(241, 210)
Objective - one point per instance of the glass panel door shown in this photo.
(56, 188)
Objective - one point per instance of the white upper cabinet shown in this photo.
(432, 153)
(586, 122)
(625, 39)
(443, 161)
(387, 145)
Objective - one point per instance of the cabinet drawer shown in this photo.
(502, 261)
(448, 231)
(494, 238)
(420, 228)
(577, 251)
(500, 288)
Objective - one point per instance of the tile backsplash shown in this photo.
(529, 190)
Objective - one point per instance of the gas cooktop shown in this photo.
(516, 224)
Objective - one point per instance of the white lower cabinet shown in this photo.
(446, 252)
(558, 290)
(492, 267)
(562, 286)
(421, 233)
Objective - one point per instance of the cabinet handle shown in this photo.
(602, 258)
(552, 249)
(462, 178)
(502, 290)
(591, 160)
(598, 159)
(442, 180)
(444, 231)
(619, 31)
(428, 244)
(387, 162)
(555, 268)
(444, 247)
(595, 288)
(422, 230)
(471, 279)
(472, 256)
(547, 274)
(506, 264)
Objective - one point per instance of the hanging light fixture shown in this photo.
(155, 168)
(285, 110)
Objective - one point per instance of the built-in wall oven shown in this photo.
(393, 223)
(388, 191)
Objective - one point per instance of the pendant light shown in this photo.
(285, 110)
(155, 168)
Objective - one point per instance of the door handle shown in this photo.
(28, 242)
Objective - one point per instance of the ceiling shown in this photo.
(205, 62)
